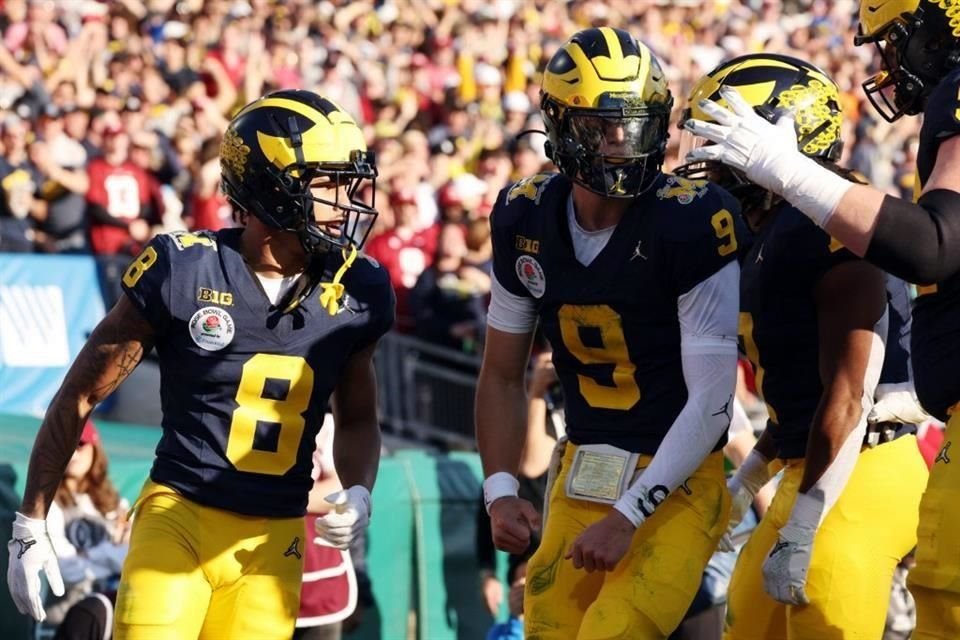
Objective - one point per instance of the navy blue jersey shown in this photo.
(244, 386)
(613, 324)
(936, 315)
(896, 357)
(778, 320)
(941, 121)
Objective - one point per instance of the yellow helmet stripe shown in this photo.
(762, 62)
(613, 44)
(645, 59)
(285, 103)
(582, 66)
(320, 142)
(605, 69)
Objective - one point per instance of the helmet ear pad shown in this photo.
(569, 146)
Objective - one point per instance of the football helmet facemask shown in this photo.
(919, 43)
(775, 85)
(606, 108)
(276, 147)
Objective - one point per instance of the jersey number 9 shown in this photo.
(723, 226)
(611, 350)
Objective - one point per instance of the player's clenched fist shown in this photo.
(513, 521)
(350, 516)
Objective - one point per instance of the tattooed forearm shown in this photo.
(52, 450)
(124, 362)
(113, 351)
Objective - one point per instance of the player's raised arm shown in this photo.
(915, 241)
(910, 240)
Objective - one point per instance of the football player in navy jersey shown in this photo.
(632, 276)
(919, 45)
(256, 329)
(814, 321)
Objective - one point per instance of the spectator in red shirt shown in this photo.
(405, 251)
(123, 200)
(230, 53)
(209, 208)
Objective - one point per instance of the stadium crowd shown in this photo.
(111, 113)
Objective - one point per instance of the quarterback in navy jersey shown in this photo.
(918, 42)
(632, 275)
(257, 330)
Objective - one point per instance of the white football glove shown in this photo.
(785, 569)
(350, 516)
(897, 403)
(30, 553)
(743, 487)
(746, 141)
(767, 154)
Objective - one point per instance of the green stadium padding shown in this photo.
(445, 490)
(421, 540)
(129, 448)
(389, 555)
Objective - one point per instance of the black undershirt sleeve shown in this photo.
(918, 242)
(99, 214)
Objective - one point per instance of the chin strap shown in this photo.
(333, 291)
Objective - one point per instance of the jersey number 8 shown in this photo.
(286, 411)
(139, 266)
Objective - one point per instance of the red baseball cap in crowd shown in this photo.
(402, 196)
(113, 129)
(89, 435)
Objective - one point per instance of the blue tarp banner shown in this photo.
(48, 307)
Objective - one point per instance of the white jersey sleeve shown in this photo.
(508, 312)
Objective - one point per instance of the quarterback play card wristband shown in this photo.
(600, 473)
(499, 485)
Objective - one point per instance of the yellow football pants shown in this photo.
(199, 572)
(650, 590)
(935, 581)
(870, 528)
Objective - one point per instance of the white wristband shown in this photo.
(638, 502)
(807, 510)
(34, 526)
(814, 189)
(754, 472)
(499, 485)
